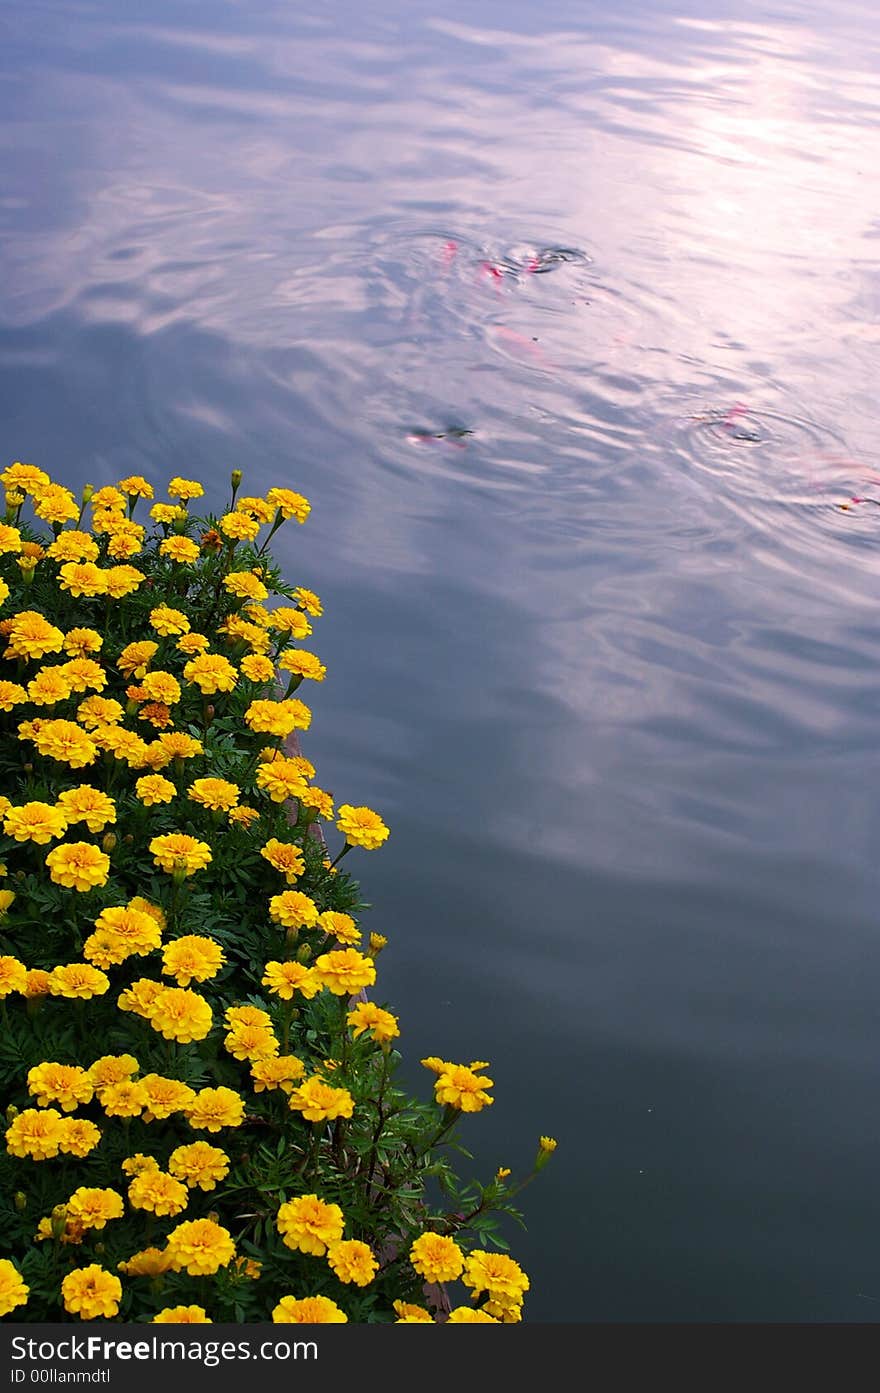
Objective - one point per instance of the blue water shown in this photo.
(606, 656)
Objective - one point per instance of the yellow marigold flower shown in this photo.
(13, 976)
(245, 586)
(238, 527)
(11, 694)
(140, 996)
(309, 1225)
(158, 1193)
(408, 1314)
(74, 546)
(110, 1069)
(134, 1165)
(283, 979)
(436, 1257)
(211, 673)
(215, 1108)
(243, 816)
(183, 550)
(467, 1315)
(35, 1133)
(80, 643)
(282, 1071)
(13, 1289)
(199, 1165)
(157, 714)
(180, 1015)
(289, 504)
(319, 801)
(125, 1099)
(35, 822)
(78, 866)
(108, 497)
(66, 742)
(508, 1312)
(285, 857)
(136, 486)
(308, 600)
(200, 1247)
(56, 504)
(122, 744)
(303, 664)
(137, 929)
(184, 489)
(167, 621)
(344, 972)
(10, 540)
(152, 789)
(32, 636)
(27, 478)
(293, 909)
(318, 1102)
(176, 849)
(90, 1292)
(247, 1267)
(123, 580)
(37, 983)
(191, 644)
(161, 686)
(79, 1136)
(261, 510)
(182, 1315)
(496, 1274)
(65, 1084)
(173, 744)
(82, 578)
(4, 592)
(89, 805)
(462, 1088)
(82, 674)
(257, 667)
(99, 711)
(167, 513)
(192, 958)
(547, 1144)
(78, 980)
(165, 1096)
(50, 685)
(380, 1024)
(291, 621)
(155, 911)
(217, 794)
(93, 1208)
(340, 926)
(251, 1042)
(308, 1310)
(277, 717)
(136, 657)
(149, 1262)
(122, 546)
(239, 630)
(352, 1261)
(246, 1015)
(361, 827)
(105, 950)
(280, 779)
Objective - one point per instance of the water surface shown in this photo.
(566, 320)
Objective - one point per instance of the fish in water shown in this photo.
(453, 435)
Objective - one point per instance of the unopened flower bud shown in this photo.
(109, 842)
(20, 1201)
(377, 943)
(178, 875)
(128, 839)
(236, 478)
(87, 492)
(59, 1220)
(11, 1113)
(546, 1147)
(304, 952)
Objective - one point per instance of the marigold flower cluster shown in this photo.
(199, 1094)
